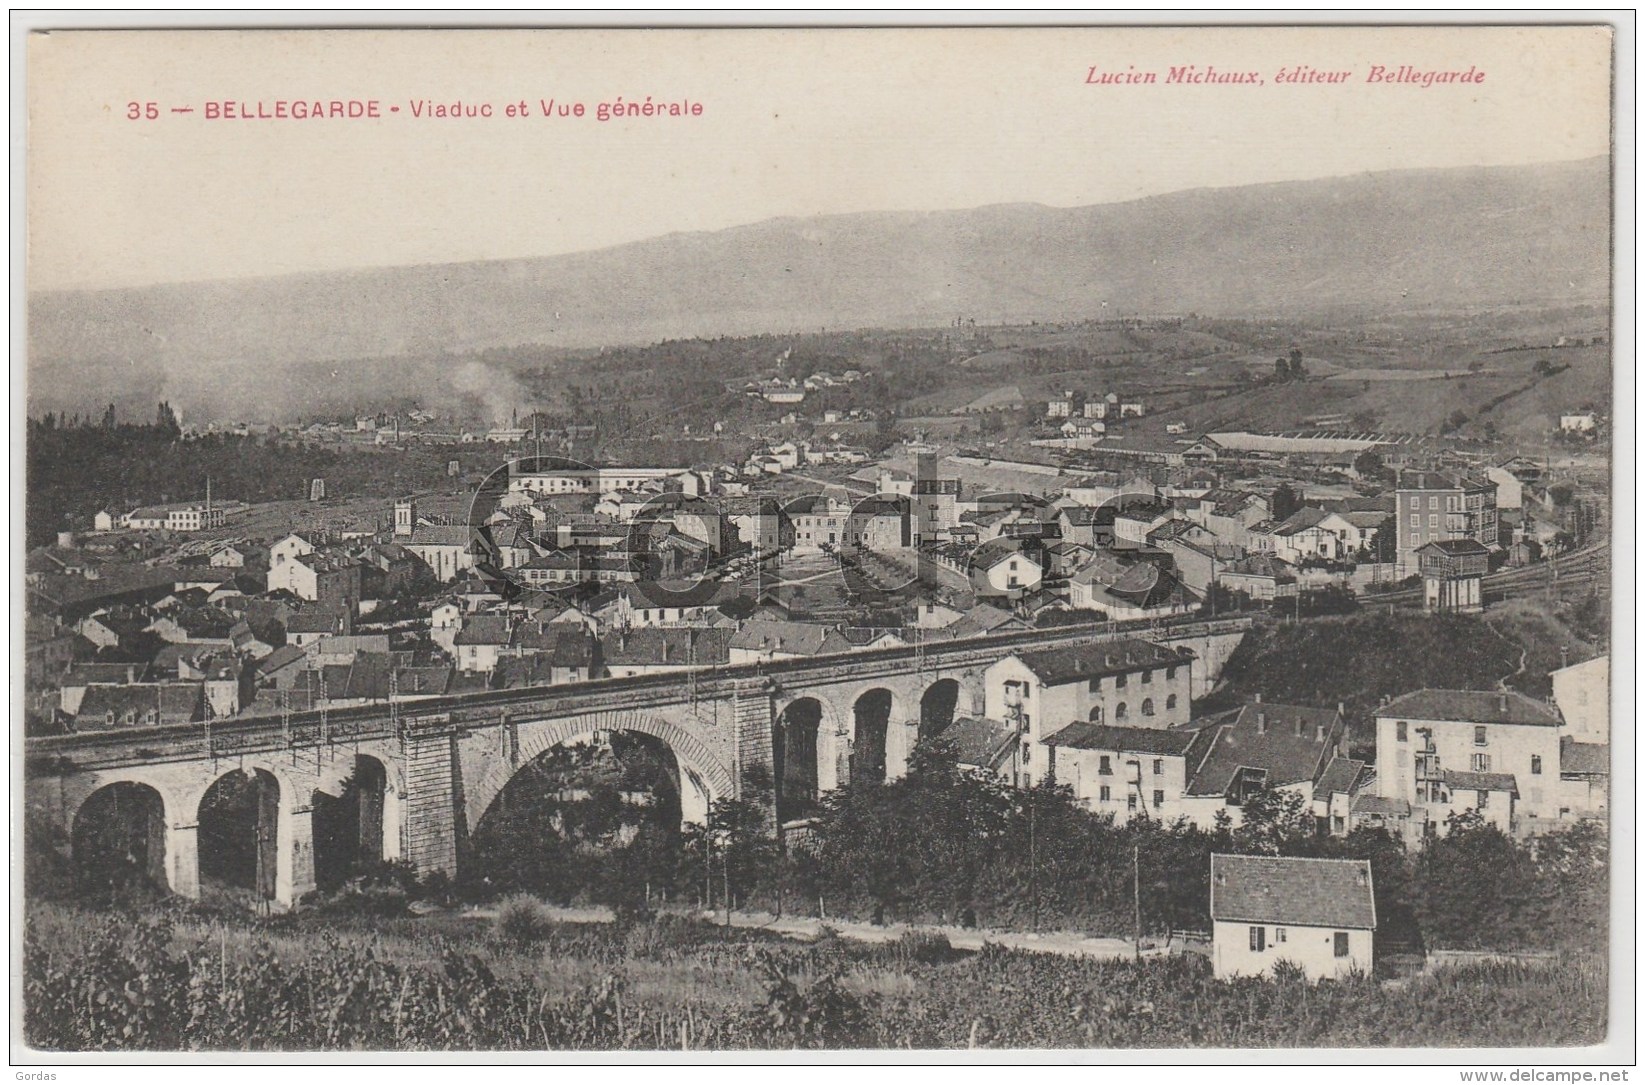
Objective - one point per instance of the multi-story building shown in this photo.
(1122, 682)
(1445, 751)
(1263, 746)
(1127, 771)
(1438, 505)
(543, 478)
(935, 508)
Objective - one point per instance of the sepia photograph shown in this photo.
(673, 542)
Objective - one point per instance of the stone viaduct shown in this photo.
(420, 775)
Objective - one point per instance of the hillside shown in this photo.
(1404, 240)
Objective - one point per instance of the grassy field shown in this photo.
(196, 982)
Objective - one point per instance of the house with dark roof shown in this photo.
(1453, 572)
(762, 639)
(80, 677)
(1317, 914)
(1261, 576)
(1126, 681)
(312, 623)
(1259, 746)
(447, 549)
(982, 745)
(1122, 589)
(1584, 778)
(1126, 771)
(140, 704)
(195, 625)
(1007, 566)
(1425, 738)
(658, 651)
(1334, 793)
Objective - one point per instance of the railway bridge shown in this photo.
(413, 779)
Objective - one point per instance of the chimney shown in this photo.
(1301, 726)
(1319, 732)
(1258, 699)
(1262, 723)
(1564, 656)
(1341, 711)
(1502, 702)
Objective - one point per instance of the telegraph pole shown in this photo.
(1136, 895)
(1033, 866)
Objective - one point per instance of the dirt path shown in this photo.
(808, 928)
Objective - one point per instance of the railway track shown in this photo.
(1577, 570)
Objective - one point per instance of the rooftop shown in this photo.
(1292, 891)
(1584, 758)
(1057, 666)
(1470, 706)
(978, 741)
(1461, 780)
(1290, 743)
(1341, 776)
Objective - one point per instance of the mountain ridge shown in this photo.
(1471, 236)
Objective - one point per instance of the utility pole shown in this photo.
(1136, 895)
(1033, 866)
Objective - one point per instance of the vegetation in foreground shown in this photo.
(192, 982)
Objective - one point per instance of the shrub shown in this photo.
(522, 920)
(921, 947)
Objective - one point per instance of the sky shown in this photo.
(793, 123)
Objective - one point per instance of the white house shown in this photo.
(1127, 682)
(1317, 914)
(1582, 693)
(1006, 568)
(1448, 750)
(1127, 771)
(446, 549)
(1578, 422)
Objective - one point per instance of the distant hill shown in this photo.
(1386, 242)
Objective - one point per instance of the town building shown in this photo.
(1127, 771)
(1453, 574)
(1436, 505)
(538, 477)
(447, 549)
(1317, 914)
(1445, 751)
(1261, 746)
(1123, 682)
(1582, 693)
(762, 640)
(1261, 576)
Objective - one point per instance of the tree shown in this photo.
(1298, 370)
(1385, 544)
(1273, 821)
(1285, 501)
(165, 420)
(1368, 463)
(1282, 371)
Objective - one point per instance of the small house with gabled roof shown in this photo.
(1317, 914)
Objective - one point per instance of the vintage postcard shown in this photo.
(1064, 540)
